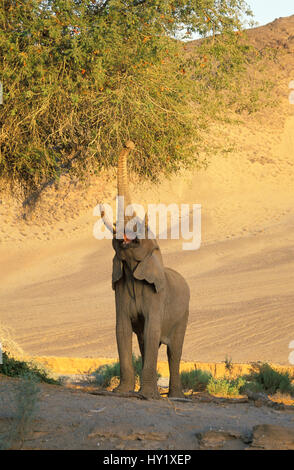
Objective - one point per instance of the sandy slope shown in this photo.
(57, 297)
(55, 277)
(242, 299)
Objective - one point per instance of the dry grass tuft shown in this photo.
(8, 344)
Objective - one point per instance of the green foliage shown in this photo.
(252, 387)
(80, 77)
(26, 401)
(265, 378)
(26, 407)
(138, 366)
(195, 379)
(16, 368)
(106, 372)
(225, 387)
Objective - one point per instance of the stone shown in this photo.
(216, 440)
(132, 436)
(272, 437)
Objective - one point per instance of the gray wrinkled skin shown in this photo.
(153, 302)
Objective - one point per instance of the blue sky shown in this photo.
(266, 11)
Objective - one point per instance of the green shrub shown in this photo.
(17, 368)
(225, 387)
(270, 380)
(26, 403)
(196, 379)
(82, 77)
(252, 387)
(137, 364)
(106, 372)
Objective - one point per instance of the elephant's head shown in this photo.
(141, 255)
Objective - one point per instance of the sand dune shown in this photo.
(242, 299)
(55, 287)
(57, 297)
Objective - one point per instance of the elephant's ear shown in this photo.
(117, 270)
(152, 271)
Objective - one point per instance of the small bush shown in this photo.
(106, 372)
(138, 366)
(196, 379)
(270, 380)
(225, 387)
(26, 401)
(253, 387)
(26, 407)
(13, 367)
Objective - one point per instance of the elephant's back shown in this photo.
(176, 282)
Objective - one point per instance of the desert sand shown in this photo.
(55, 277)
(56, 293)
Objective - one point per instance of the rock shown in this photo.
(148, 436)
(259, 403)
(272, 437)
(261, 399)
(133, 436)
(215, 440)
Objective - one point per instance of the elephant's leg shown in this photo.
(124, 343)
(149, 374)
(174, 353)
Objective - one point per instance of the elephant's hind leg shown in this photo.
(174, 353)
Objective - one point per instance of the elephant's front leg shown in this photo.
(124, 344)
(151, 344)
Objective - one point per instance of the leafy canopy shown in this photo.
(80, 77)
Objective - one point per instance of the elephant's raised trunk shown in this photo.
(122, 173)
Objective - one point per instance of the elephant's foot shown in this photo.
(150, 393)
(176, 393)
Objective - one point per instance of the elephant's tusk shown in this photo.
(106, 221)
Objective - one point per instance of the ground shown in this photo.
(74, 419)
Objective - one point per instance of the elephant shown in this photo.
(151, 300)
